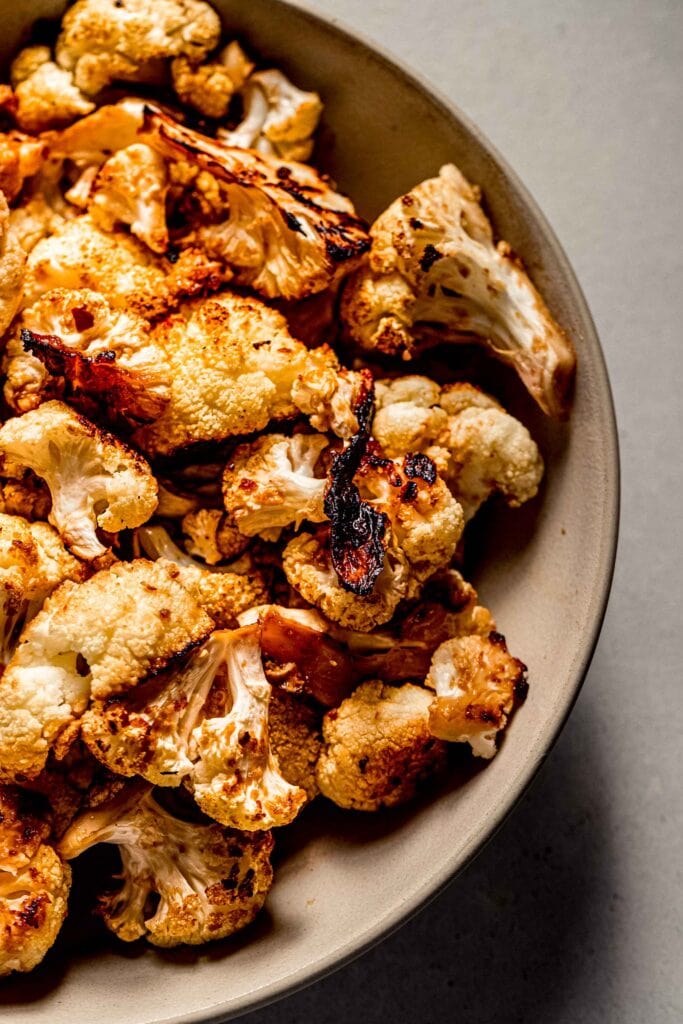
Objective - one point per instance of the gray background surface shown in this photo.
(573, 912)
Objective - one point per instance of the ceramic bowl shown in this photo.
(343, 881)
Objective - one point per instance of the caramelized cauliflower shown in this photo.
(71, 342)
(46, 95)
(104, 41)
(285, 232)
(12, 267)
(72, 651)
(80, 255)
(20, 158)
(478, 447)
(329, 394)
(34, 884)
(130, 188)
(95, 480)
(271, 483)
(434, 274)
(377, 747)
(477, 683)
(27, 497)
(232, 363)
(212, 535)
(209, 87)
(279, 119)
(207, 881)
(295, 738)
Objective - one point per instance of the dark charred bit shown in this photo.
(416, 223)
(420, 467)
(173, 254)
(356, 528)
(429, 257)
(292, 222)
(409, 492)
(83, 318)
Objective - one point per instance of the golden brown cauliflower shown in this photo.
(232, 363)
(211, 534)
(72, 343)
(130, 188)
(271, 482)
(104, 41)
(12, 268)
(34, 884)
(434, 274)
(20, 158)
(71, 651)
(329, 394)
(208, 881)
(95, 480)
(80, 255)
(477, 683)
(285, 232)
(209, 87)
(27, 497)
(377, 747)
(478, 448)
(294, 730)
(46, 95)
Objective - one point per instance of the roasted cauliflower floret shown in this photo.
(212, 535)
(285, 232)
(435, 274)
(72, 343)
(80, 255)
(329, 394)
(12, 268)
(45, 93)
(34, 884)
(43, 208)
(279, 119)
(20, 158)
(95, 480)
(377, 747)
(208, 881)
(210, 87)
(295, 737)
(271, 483)
(477, 683)
(232, 363)
(103, 41)
(28, 497)
(97, 638)
(33, 561)
(130, 188)
(478, 447)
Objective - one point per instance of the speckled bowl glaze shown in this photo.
(344, 881)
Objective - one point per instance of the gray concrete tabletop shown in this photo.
(572, 914)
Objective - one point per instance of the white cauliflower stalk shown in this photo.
(96, 481)
(435, 274)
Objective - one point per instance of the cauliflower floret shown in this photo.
(72, 651)
(294, 730)
(95, 480)
(285, 232)
(434, 274)
(71, 342)
(28, 497)
(104, 41)
(478, 447)
(92, 140)
(209, 881)
(477, 683)
(34, 885)
(329, 394)
(377, 747)
(46, 95)
(210, 87)
(279, 119)
(33, 562)
(223, 593)
(12, 268)
(212, 535)
(130, 188)
(43, 208)
(271, 483)
(232, 363)
(80, 255)
(20, 158)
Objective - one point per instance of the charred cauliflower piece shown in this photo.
(212, 535)
(378, 747)
(80, 255)
(71, 342)
(285, 232)
(329, 394)
(279, 119)
(34, 884)
(477, 683)
(208, 881)
(130, 188)
(33, 561)
(12, 268)
(72, 651)
(95, 480)
(104, 41)
(232, 363)
(478, 447)
(435, 274)
(271, 483)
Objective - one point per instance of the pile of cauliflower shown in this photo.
(231, 524)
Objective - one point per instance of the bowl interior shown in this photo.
(343, 880)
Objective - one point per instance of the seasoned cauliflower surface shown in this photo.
(12, 267)
(46, 95)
